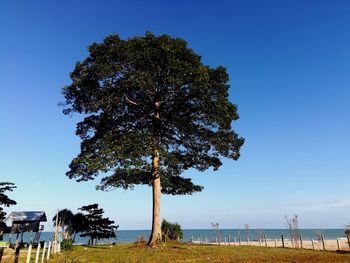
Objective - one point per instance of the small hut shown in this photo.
(27, 222)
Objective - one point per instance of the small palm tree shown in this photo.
(171, 231)
(65, 221)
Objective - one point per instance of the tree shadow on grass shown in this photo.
(342, 252)
(93, 246)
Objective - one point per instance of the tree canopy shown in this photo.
(152, 111)
(5, 201)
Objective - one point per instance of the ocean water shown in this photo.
(130, 236)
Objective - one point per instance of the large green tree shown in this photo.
(97, 226)
(152, 111)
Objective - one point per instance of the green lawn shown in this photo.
(177, 252)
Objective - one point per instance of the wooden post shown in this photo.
(48, 251)
(338, 243)
(53, 247)
(313, 244)
(292, 240)
(301, 241)
(260, 241)
(282, 241)
(322, 238)
(29, 253)
(229, 238)
(275, 241)
(265, 240)
(37, 253)
(17, 251)
(239, 240)
(248, 241)
(235, 241)
(56, 227)
(43, 255)
(225, 241)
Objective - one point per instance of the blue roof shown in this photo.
(28, 216)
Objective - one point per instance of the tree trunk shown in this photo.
(156, 224)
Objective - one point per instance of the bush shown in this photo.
(171, 231)
(67, 244)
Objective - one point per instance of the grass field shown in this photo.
(178, 252)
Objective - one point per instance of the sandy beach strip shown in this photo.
(329, 244)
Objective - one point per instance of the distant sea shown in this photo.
(130, 236)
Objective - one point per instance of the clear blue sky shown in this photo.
(289, 66)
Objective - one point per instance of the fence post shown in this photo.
(338, 243)
(37, 253)
(282, 241)
(17, 251)
(260, 241)
(275, 241)
(29, 253)
(235, 241)
(313, 244)
(48, 251)
(43, 255)
(322, 238)
(265, 240)
(229, 238)
(239, 240)
(301, 241)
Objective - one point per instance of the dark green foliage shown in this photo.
(79, 224)
(96, 226)
(347, 231)
(65, 221)
(67, 244)
(5, 201)
(171, 231)
(119, 88)
(70, 223)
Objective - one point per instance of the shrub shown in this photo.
(171, 231)
(67, 244)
